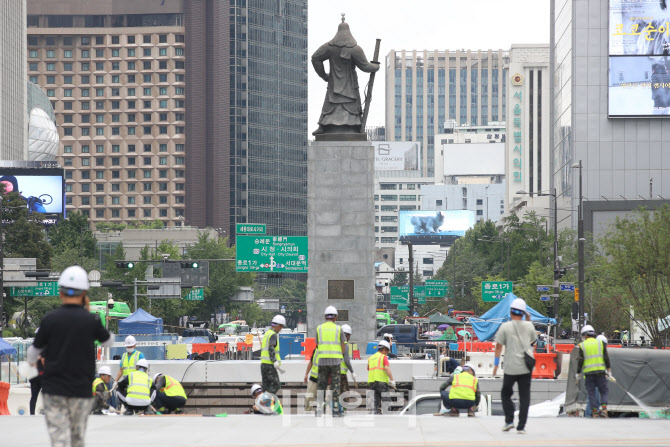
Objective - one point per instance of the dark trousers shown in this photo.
(35, 387)
(461, 404)
(270, 378)
(171, 403)
(598, 381)
(379, 388)
(523, 381)
(329, 373)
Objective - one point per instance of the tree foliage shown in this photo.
(71, 233)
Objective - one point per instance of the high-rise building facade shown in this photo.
(13, 93)
(426, 88)
(115, 74)
(264, 131)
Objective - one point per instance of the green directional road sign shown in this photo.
(436, 288)
(494, 291)
(271, 254)
(195, 295)
(420, 294)
(437, 283)
(400, 295)
(43, 288)
(250, 228)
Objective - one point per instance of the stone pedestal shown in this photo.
(340, 222)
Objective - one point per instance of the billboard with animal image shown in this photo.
(639, 65)
(434, 227)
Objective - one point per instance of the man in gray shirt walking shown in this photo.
(516, 336)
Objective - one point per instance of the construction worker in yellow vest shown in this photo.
(270, 358)
(129, 358)
(311, 376)
(330, 341)
(379, 374)
(464, 393)
(101, 390)
(594, 363)
(135, 390)
(170, 395)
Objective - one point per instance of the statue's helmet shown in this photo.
(343, 38)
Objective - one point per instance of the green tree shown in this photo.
(638, 249)
(399, 280)
(24, 235)
(73, 233)
(292, 294)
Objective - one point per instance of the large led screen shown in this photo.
(434, 227)
(639, 61)
(42, 189)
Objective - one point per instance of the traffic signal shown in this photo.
(575, 310)
(125, 265)
(550, 311)
(189, 265)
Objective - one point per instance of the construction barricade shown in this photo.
(545, 366)
(309, 345)
(4, 396)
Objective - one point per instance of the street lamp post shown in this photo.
(580, 251)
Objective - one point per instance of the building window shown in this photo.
(179, 147)
(162, 186)
(131, 173)
(428, 273)
(147, 200)
(480, 201)
(179, 187)
(115, 40)
(146, 65)
(179, 38)
(86, 188)
(50, 67)
(67, 53)
(438, 203)
(179, 160)
(100, 213)
(147, 173)
(99, 148)
(131, 187)
(179, 51)
(85, 66)
(427, 260)
(131, 213)
(146, 52)
(179, 173)
(162, 52)
(131, 200)
(131, 65)
(162, 160)
(116, 187)
(131, 39)
(162, 65)
(147, 213)
(480, 212)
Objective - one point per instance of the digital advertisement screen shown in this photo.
(42, 189)
(639, 61)
(434, 227)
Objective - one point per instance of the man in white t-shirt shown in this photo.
(516, 336)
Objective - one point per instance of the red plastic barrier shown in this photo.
(545, 366)
(242, 347)
(4, 396)
(309, 346)
(477, 346)
(221, 347)
(357, 354)
(565, 348)
(200, 348)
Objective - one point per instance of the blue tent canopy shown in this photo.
(487, 325)
(6, 348)
(140, 323)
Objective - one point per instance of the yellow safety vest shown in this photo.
(330, 344)
(97, 382)
(463, 387)
(128, 362)
(265, 353)
(173, 388)
(594, 360)
(376, 372)
(139, 386)
(343, 366)
(314, 372)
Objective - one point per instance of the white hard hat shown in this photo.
(519, 304)
(383, 344)
(346, 329)
(602, 338)
(255, 387)
(156, 377)
(471, 366)
(74, 279)
(142, 363)
(104, 370)
(588, 328)
(130, 341)
(279, 319)
(330, 310)
(458, 370)
(389, 336)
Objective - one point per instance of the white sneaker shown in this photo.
(507, 427)
(521, 432)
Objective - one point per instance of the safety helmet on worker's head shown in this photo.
(470, 366)
(279, 319)
(129, 341)
(157, 377)
(330, 310)
(142, 363)
(518, 307)
(346, 329)
(104, 370)
(383, 344)
(254, 388)
(458, 370)
(73, 281)
(588, 330)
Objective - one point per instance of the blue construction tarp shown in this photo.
(487, 325)
(140, 322)
(6, 348)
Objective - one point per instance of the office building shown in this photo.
(426, 88)
(527, 148)
(248, 145)
(607, 112)
(13, 114)
(114, 73)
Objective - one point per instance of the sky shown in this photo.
(419, 24)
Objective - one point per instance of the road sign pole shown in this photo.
(135, 293)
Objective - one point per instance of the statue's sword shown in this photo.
(368, 96)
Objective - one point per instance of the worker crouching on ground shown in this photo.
(135, 390)
(264, 402)
(464, 393)
(170, 395)
(270, 358)
(379, 374)
(101, 391)
(594, 362)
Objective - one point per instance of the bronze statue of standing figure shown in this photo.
(342, 115)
